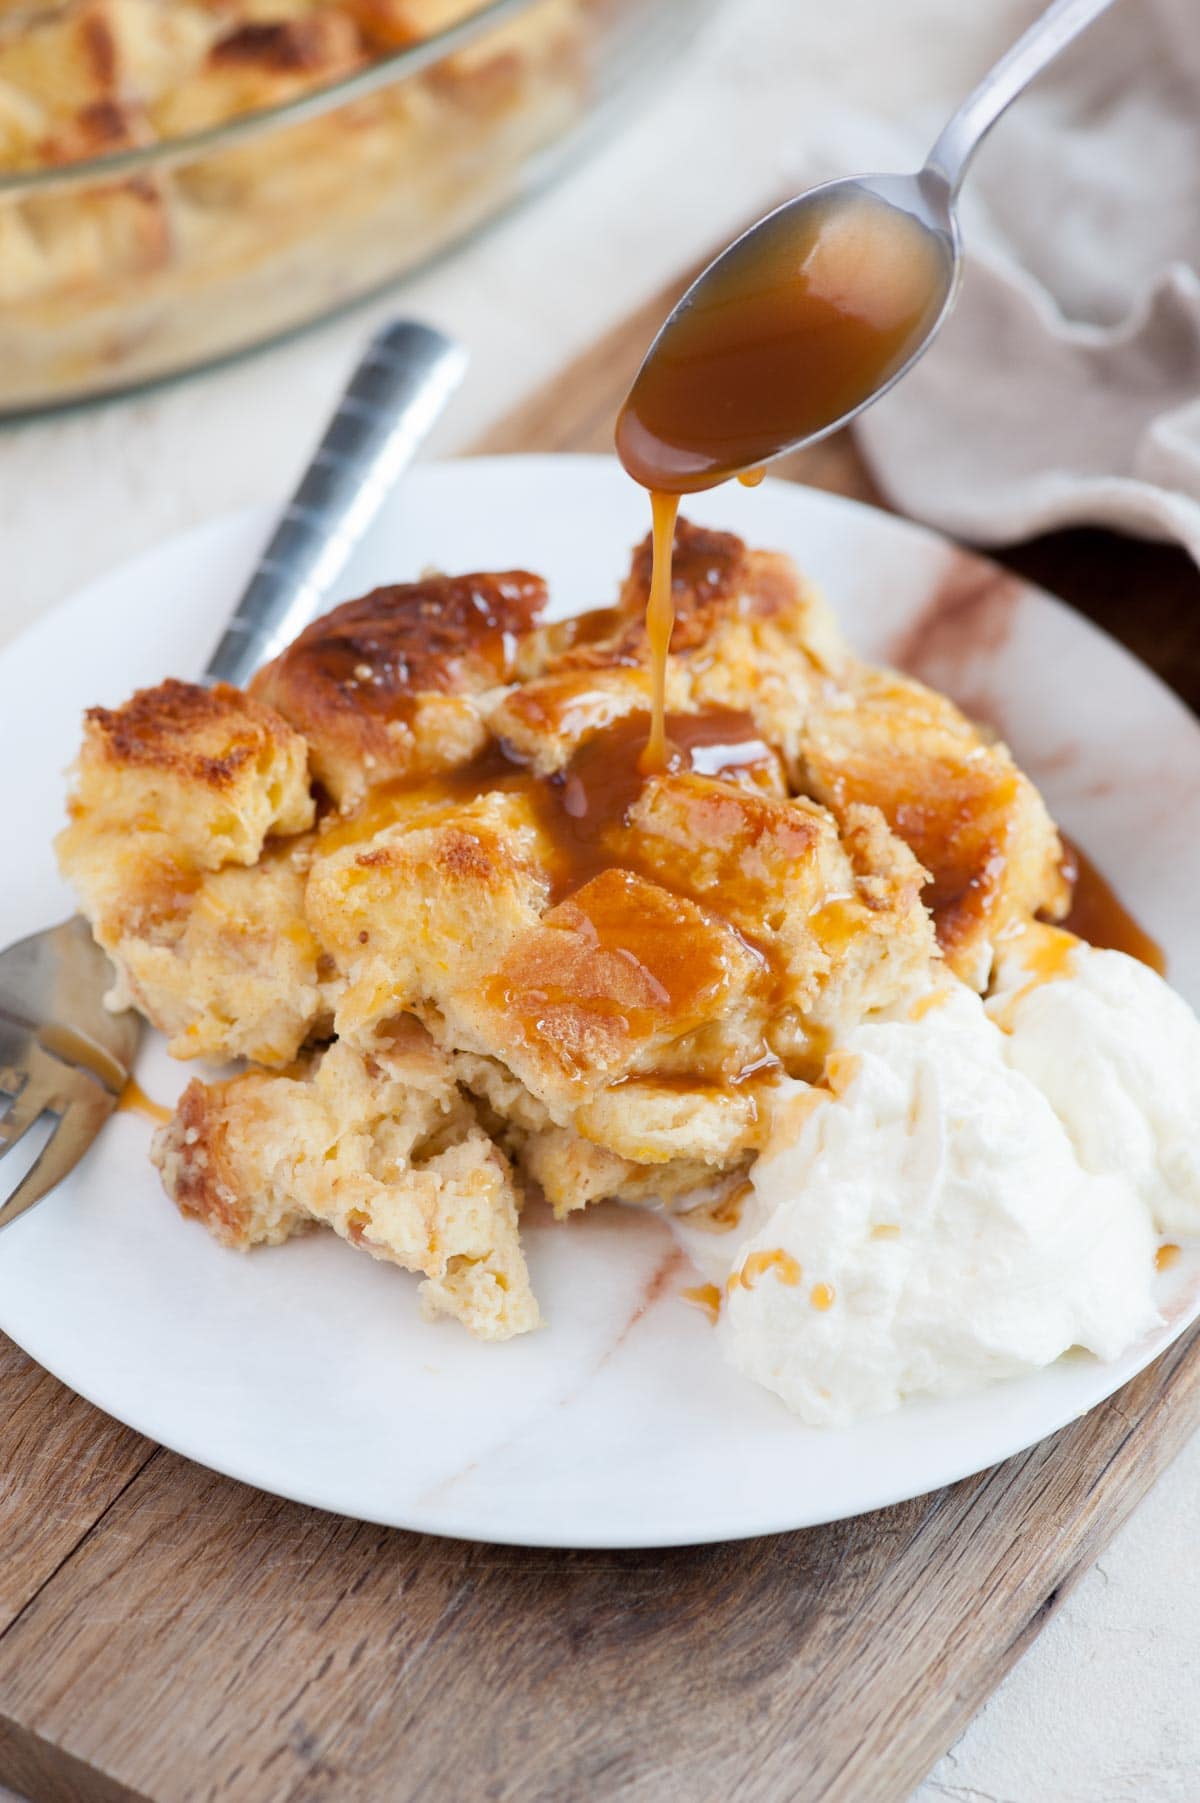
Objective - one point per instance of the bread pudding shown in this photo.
(415, 879)
(131, 272)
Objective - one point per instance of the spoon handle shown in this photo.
(395, 395)
(1057, 27)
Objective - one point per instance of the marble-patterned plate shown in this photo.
(306, 1370)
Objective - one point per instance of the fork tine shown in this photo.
(29, 1107)
(72, 1135)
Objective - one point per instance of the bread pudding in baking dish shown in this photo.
(414, 878)
(234, 218)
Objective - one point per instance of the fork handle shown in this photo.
(397, 392)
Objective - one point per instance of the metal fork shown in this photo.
(63, 1054)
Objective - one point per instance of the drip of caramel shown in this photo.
(134, 1100)
(706, 1296)
(781, 1263)
(660, 618)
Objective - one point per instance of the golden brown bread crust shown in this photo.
(203, 735)
(388, 686)
(212, 771)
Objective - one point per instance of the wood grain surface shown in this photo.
(167, 1634)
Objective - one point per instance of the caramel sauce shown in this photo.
(1166, 1255)
(630, 940)
(1099, 916)
(780, 1262)
(1046, 954)
(134, 1100)
(621, 953)
(778, 344)
(822, 1296)
(925, 1004)
(841, 1068)
(583, 810)
(660, 618)
(377, 650)
(723, 1215)
(706, 1296)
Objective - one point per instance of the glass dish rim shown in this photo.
(396, 65)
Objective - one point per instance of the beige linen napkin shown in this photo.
(1066, 387)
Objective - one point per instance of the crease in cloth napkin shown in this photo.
(1065, 388)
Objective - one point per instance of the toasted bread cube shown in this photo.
(210, 772)
(971, 818)
(619, 978)
(837, 915)
(228, 968)
(428, 906)
(391, 685)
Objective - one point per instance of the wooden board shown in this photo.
(167, 1634)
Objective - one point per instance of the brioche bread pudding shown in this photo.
(127, 273)
(468, 954)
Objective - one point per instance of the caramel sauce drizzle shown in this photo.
(660, 619)
(134, 1100)
(784, 1266)
(706, 1296)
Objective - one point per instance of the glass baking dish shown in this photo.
(138, 241)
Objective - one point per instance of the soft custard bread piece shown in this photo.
(213, 771)
(629, 1011)
(449, 918)
(620, 979)
(123, 228)
(256, 63)
(175, 797)
(971, 817)
(428, 907)
(228, 968)
(394, 685)
(750, 636)
(572, 1171)
(382, 1148)
(23, 125)
(836, 913)
(73, 56)
(393, 24)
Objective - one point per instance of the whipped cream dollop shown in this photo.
(974, 1189)
(1116, 1053)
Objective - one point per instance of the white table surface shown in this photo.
(1103, 1708)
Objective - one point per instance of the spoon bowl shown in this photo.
(803, 321)
(822, 306)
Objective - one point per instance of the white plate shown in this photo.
(305, 1370)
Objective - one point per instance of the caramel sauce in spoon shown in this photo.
(788, 332)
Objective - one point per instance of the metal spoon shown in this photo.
(741, 372)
